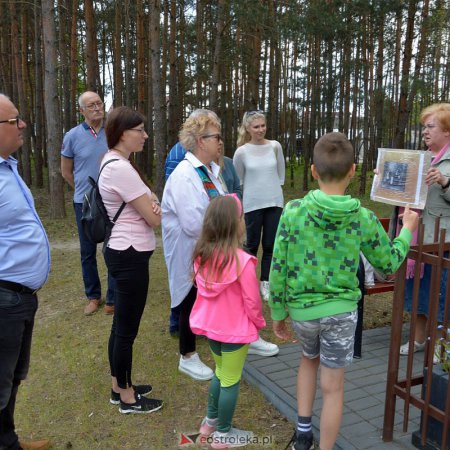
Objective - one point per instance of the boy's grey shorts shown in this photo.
(330, 337)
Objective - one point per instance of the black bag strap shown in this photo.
(116, 216)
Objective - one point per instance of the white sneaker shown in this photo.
(417, 347)
(232, 439)
(264, 288)
(195, 368)
(262, 348)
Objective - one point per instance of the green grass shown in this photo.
(66, 396)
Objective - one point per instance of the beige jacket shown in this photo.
(438, 203)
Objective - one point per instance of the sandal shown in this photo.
(418, 347)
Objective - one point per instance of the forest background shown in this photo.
(365, 68)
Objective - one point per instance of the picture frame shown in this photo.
(400, 178)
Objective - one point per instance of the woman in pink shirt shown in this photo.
(127, 252)
(227, 311)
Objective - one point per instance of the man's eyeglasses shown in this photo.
(217, 136)
(15, 121)
(94, 106)
(141, 130)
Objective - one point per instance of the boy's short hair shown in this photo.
(333, 157)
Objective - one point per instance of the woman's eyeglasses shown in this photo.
(141, 130)
(217, 136)
(428, 127)
(14, 121)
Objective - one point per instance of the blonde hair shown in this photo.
(442, 113)
(216, 248)
(196, 125)
(249, 117)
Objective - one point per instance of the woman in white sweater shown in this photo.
(259, 163)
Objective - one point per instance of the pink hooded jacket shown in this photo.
(229, 311)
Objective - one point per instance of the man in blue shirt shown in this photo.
(174, 157)
(24, 268)
(81, 154)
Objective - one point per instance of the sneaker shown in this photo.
(91, 307)
(418, 347)
(263, 348)
(265, 290)
(303, 442)
(206, 429)
(232, 439)
(195, 368)
(108, 310)
(143, 405)
(142, 389)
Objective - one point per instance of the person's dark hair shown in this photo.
(119, 120)
(333, 156)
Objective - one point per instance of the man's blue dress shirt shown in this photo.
(24, 247)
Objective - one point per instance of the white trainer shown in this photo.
(232, 439)
(264, 288)
(263, 348)
(194, 367)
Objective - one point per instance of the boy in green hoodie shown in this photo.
(313, 280)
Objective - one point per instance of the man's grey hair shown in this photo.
(80, 98)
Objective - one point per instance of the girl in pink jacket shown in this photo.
(227, 311)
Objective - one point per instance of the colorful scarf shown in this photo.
(209, 186)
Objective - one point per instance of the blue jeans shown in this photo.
(17, 313)
(174, 319)
(88, 252)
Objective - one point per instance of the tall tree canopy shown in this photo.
(364, 67)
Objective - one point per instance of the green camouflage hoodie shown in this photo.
(316, 255)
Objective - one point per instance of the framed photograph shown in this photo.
(401, 177)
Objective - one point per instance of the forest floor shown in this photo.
(66, 395)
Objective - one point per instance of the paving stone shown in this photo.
(378, 369)
(354, 394)
(367, 380)
(362, 403)
(350, 419)
(365, 384)
(376, 389)
(274, 367)
(290, 360)
(281, 374)
(373, 412)
(261, 362)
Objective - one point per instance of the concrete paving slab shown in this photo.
(365, 385)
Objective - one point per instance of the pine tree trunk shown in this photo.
(52, 111)
(38, 103)
(173, 95)
(92, 68)
(23, 105)
(158, 96)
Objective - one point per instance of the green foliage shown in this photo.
(444, 356)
